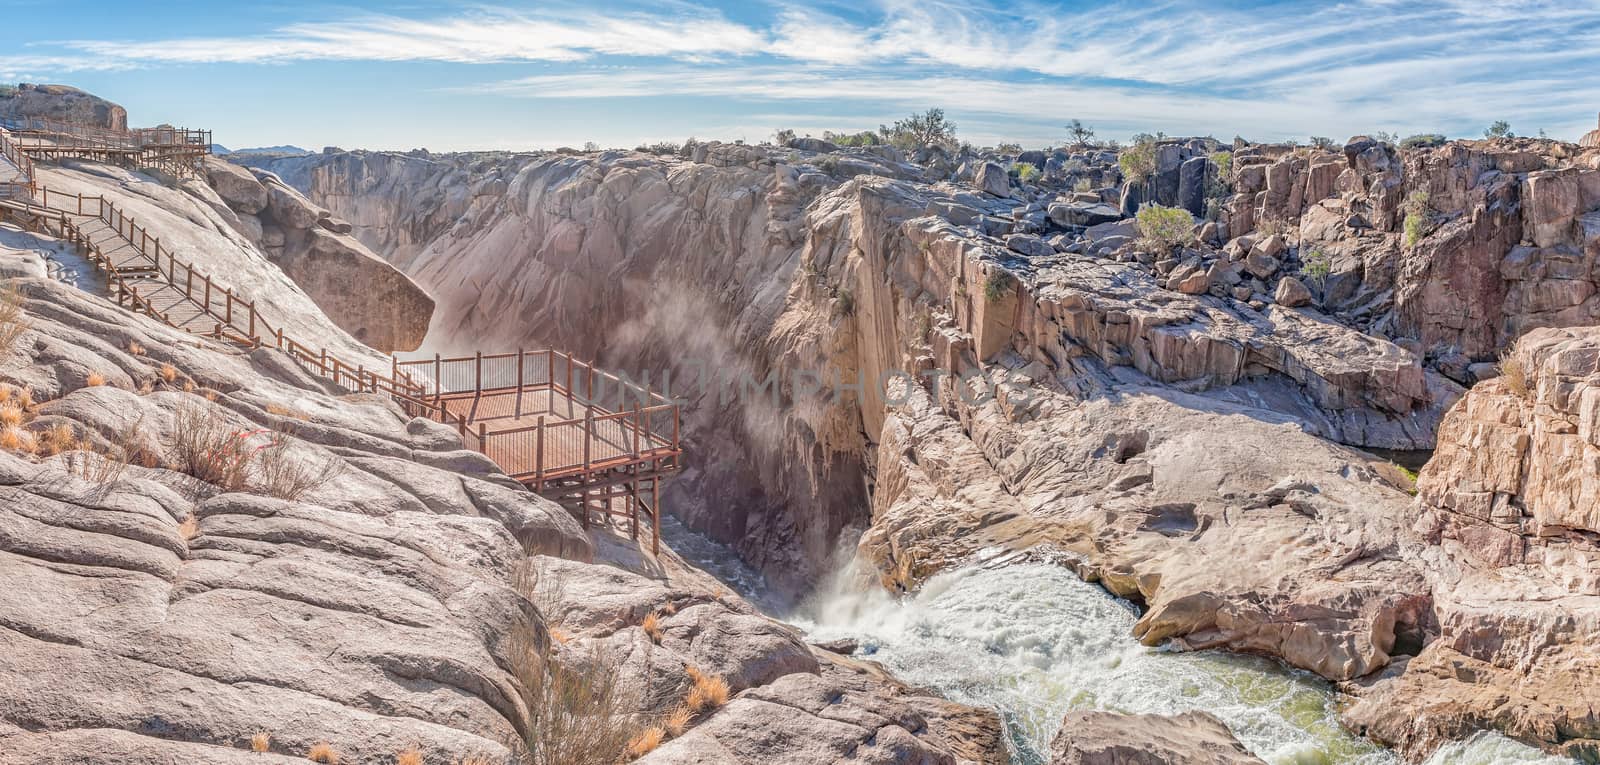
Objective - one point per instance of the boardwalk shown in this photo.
(594, 442)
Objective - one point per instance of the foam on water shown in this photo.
(1033, 641)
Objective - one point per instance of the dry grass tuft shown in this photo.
(669, 608)
(283, 411)
(95, 380)
(260, 743)
(475, 759)
(708, 692)
(559, 636)
(136, 349)
(212, 451)
(645, 742)
(323, 752)
(652, 627)
(13, 320)
(1514, 374)
(168, 373)
(281, 474)
(412, 756)
(15, 439)
(579, 712)
(59, 438)
(11, 414)
(677, 722)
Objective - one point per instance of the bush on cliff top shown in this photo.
(1164, 228)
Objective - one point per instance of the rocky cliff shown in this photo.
(61, 103)
(213, 556)
(1140, 410)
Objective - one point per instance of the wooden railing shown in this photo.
(624, 424)
(24, 165)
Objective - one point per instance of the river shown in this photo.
(1033, 641)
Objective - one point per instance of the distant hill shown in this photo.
(219, 150)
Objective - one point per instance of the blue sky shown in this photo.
(541, 75)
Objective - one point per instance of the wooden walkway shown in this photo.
(595, 442)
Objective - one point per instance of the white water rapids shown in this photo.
(1033, 641)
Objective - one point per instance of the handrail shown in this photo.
(422, 388)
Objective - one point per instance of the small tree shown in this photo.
(1315, 266)
(1164, 228)
(921, 131)
(1322, 142)
(783, 136)
(1012, 149)
(1417, 217)
(1080, 133)
(1499, 129)
(1138, 162)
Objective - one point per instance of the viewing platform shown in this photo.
(590, 440)
(177, 151)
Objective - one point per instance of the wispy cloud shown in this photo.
(481, 37)
(1271, 69)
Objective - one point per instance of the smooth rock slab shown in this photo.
(1109, 738)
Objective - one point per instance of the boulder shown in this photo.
(1192, 185)
(1029, 245)
(817, 145)
(1083, 213)
(289, 209)
(1110, 738)
(1291, 293)
(62, 103)
(992, 179)
(237, 186)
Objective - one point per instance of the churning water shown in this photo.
(1033, 641)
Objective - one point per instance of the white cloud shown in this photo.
(491, 36)
(1179, 65)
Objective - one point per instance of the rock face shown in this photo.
(359, 291)
(1107, 738)
(390, 602)
(1137, 416)
(61, 103)
(1509, 505)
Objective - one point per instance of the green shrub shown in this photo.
(1012, 149)
(1223, 160)
(1164, 227)
(1499, 129)
(998, 285)
(1138, 162)
(1422, 141)
(7, 91)
(1315, 267)
(783, 136)
(1083, 185)
(920, 131)
(863, 138)
(1417, 218)
(1322, 142)
(1026, 172)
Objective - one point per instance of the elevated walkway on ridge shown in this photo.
(596, 443)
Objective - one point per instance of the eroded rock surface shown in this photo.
(62, 103)
(1107, 738)
(362, 293)
(151, 618)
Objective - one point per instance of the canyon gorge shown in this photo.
(1007, 477)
